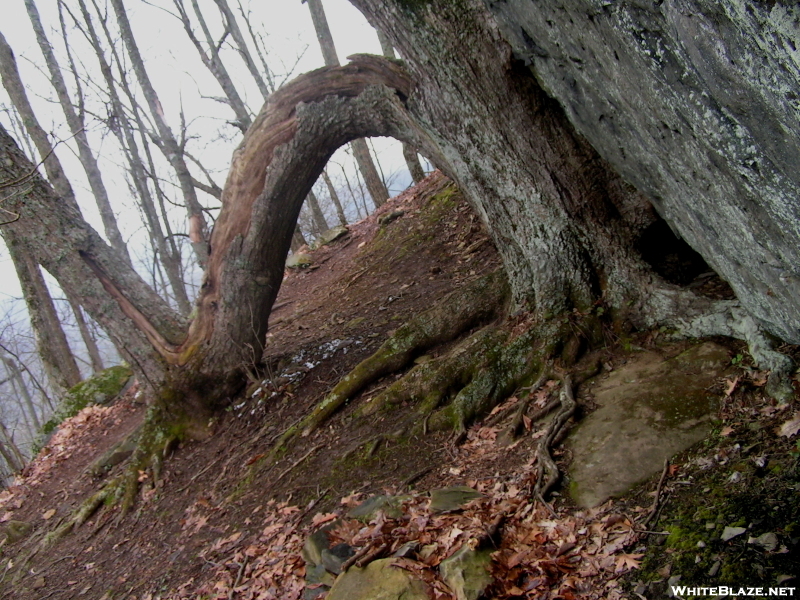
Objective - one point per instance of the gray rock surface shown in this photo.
(452, 498)
(697, 104)
(467, 572)
(378, 581)
(649, 410)
(368, 510)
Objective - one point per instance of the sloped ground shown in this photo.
(212, 527)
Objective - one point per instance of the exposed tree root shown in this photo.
(549, 474)
(695, 316)
(480, 301)
(151, 444)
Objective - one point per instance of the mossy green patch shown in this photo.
(100, 388)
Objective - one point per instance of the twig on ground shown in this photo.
(295, 464)
(492, 534)
(542, 501)
(238, 577)
(657, 499)
(416, 476)
(364, 561)
(357, 556)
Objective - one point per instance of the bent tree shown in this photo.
(564, 221)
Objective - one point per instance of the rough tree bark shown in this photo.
(57, 237)
(281, 156)
(694, 104)
(565, 223)
(409, 153)
(12, 82)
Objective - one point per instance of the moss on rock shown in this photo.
(100, 388)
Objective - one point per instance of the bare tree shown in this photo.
(375, 185)
(12, 82)
(75, 121)
(86, 335)
(172, 150)
(121, 126)
(211, 58)
(317, 216)
(269, 85)
(10, 451)
(51, 341)
(21, 388)
(298, 239)
(334, 198)
(241, 47)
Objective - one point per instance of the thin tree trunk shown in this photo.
(114, 295)
(317, 216)
(22, 389)
(11, 452)
(124, 132)
(361, 187)
(76, 126)
(198, 230)
(267, 71)
(86, 335)
(58, 360)
(352, 193)
(334, 198)
(241, 46)
(211, 59)
(386, 44)
(375, 186)
(298, 239)
(16, 92)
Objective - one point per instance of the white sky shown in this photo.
(181, 81)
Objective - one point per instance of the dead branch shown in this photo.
(657, 499)
(295, 464)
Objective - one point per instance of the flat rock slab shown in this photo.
(379, 580)
(650, 409)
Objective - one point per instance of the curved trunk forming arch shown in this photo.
(563, 220)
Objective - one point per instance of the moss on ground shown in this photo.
(737, 494)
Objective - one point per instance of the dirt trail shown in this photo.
(200, 529)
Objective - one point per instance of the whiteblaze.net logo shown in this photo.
(683, 591)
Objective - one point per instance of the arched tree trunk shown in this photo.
(564, 222)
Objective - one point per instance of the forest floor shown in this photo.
(214, 526)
